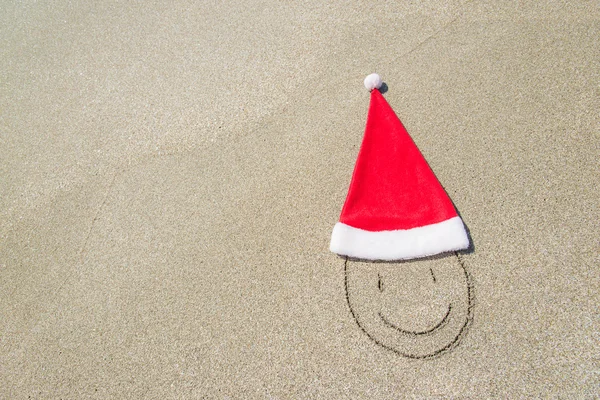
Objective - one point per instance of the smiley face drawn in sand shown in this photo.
(418, 309)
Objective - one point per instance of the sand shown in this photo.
(170, 175)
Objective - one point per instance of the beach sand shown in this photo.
(170, 175)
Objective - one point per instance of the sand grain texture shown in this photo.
(170, 175)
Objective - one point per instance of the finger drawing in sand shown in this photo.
(417, 309)
(396, 210)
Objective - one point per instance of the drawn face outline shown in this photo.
(438, 339)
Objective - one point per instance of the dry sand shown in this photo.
(170, 175)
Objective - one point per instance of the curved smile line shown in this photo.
(416, 333)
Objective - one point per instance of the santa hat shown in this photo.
(396, 208)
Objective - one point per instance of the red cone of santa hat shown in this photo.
(396, 209)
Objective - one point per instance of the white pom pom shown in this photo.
(373, 81)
